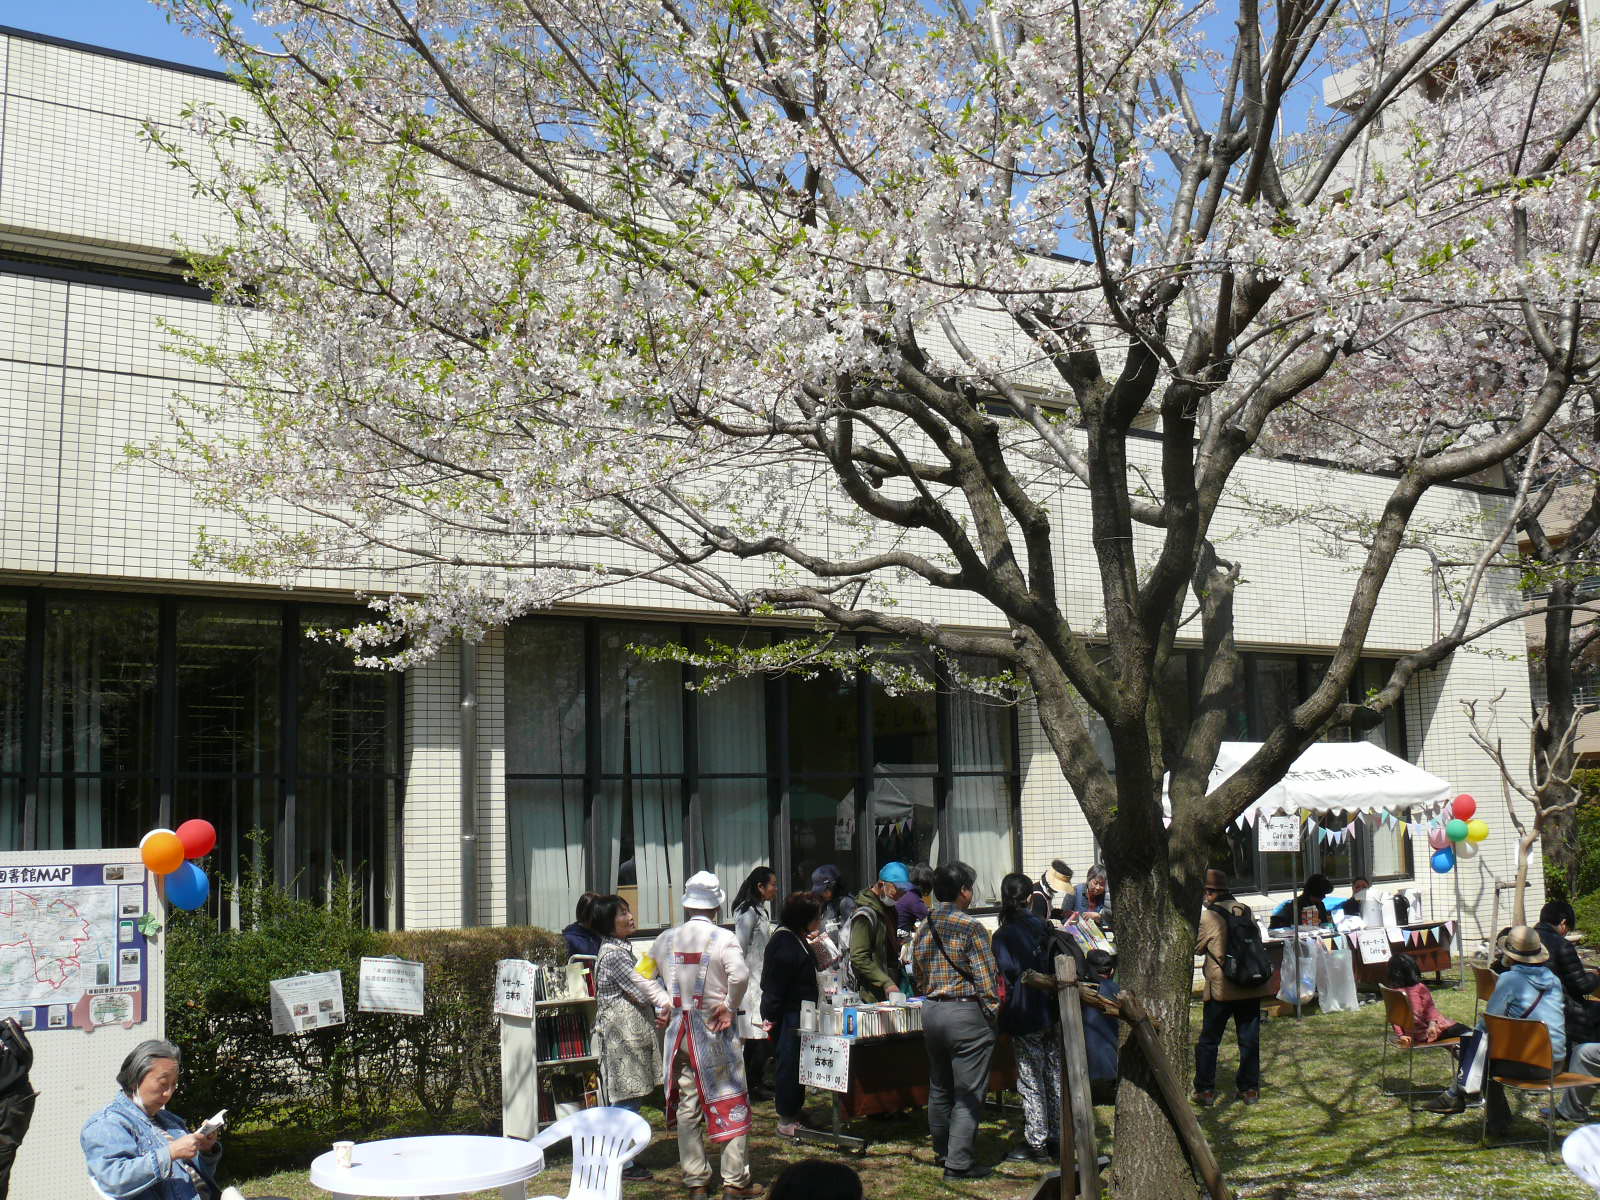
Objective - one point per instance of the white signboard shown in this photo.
(515, 987)
(1374, 945)
(825, 1062)
(302, 1003)
(390, 985)
(1279, 834)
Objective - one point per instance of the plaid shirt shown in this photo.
(967, 943)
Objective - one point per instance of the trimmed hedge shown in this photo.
(358, 1074)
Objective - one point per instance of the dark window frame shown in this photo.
(780, 777)
(382, 880)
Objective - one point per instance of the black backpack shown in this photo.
(1244, 959)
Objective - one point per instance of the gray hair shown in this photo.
(1097, 872)
(142, 1059)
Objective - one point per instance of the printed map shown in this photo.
(55, 942)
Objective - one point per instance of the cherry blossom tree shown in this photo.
(796, 309)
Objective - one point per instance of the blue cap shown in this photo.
(896, 874)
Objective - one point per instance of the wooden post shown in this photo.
(1076, 1097)
(1172, 1092)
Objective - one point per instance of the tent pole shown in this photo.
(1294, 914)
(1459, 940)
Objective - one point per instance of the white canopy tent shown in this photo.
(1334, 777)
(1350, 778)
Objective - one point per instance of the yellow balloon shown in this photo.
(1477, 830)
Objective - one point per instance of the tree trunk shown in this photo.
(1560, 841)
(1155, 955)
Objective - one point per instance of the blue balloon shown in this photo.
(1444, 861)
(188, 887)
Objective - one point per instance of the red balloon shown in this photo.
(1461, 808)
(199, 838)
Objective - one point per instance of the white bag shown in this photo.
(1299, 989)
(1336, 976)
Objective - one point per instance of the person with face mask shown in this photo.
(869, 936)
(136, 1147)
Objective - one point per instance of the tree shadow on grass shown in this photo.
(1323, 1122)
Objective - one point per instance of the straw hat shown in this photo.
(1522, 945)
(1059, 876)
(703, 890)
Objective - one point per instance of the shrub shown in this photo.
(218, 1012)
(353, 1075)
(453, 1051)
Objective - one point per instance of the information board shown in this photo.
(73, 951)
(76, 1055)
(390, 985)
(302, 1003)
(825, 1062)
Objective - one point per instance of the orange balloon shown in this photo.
(162, 852)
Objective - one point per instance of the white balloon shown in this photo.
(1465, 850)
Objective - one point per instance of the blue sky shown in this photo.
(136, 26)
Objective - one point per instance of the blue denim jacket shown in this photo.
(1531, 990)
(126, 1152)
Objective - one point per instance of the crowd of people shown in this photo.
(708, 1012)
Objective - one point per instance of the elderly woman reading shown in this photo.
(135, 1148)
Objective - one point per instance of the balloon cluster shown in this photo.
(171, 854)
(1455, 834)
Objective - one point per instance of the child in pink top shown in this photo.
(1428, 1024)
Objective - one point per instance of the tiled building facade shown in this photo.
(136, 687)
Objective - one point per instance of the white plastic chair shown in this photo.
(1581, 1153)
(604, 1140)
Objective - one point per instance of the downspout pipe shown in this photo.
(469, 781)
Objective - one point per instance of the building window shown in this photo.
(122, 713)
(657, 780)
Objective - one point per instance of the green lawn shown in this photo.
(1321, 1132)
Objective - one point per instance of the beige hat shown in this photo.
(1059, 876)
(703, 890)
(1522, 945)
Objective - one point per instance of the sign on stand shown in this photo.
(1374, 945)
(516, 986)
(1279, 834)
(825, 1062)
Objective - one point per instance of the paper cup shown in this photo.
(343, 1153)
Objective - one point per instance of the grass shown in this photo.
(1321, 1132)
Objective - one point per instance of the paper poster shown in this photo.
(130, 900)
(515, 985)
(1278, 835)
(65, 929)
(390, 985)
(302, 1003)
(825, 1062)
(1374, 946)
(109, 1006)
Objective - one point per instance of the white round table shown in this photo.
(438, 1165)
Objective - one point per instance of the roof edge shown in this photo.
(145, 60)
